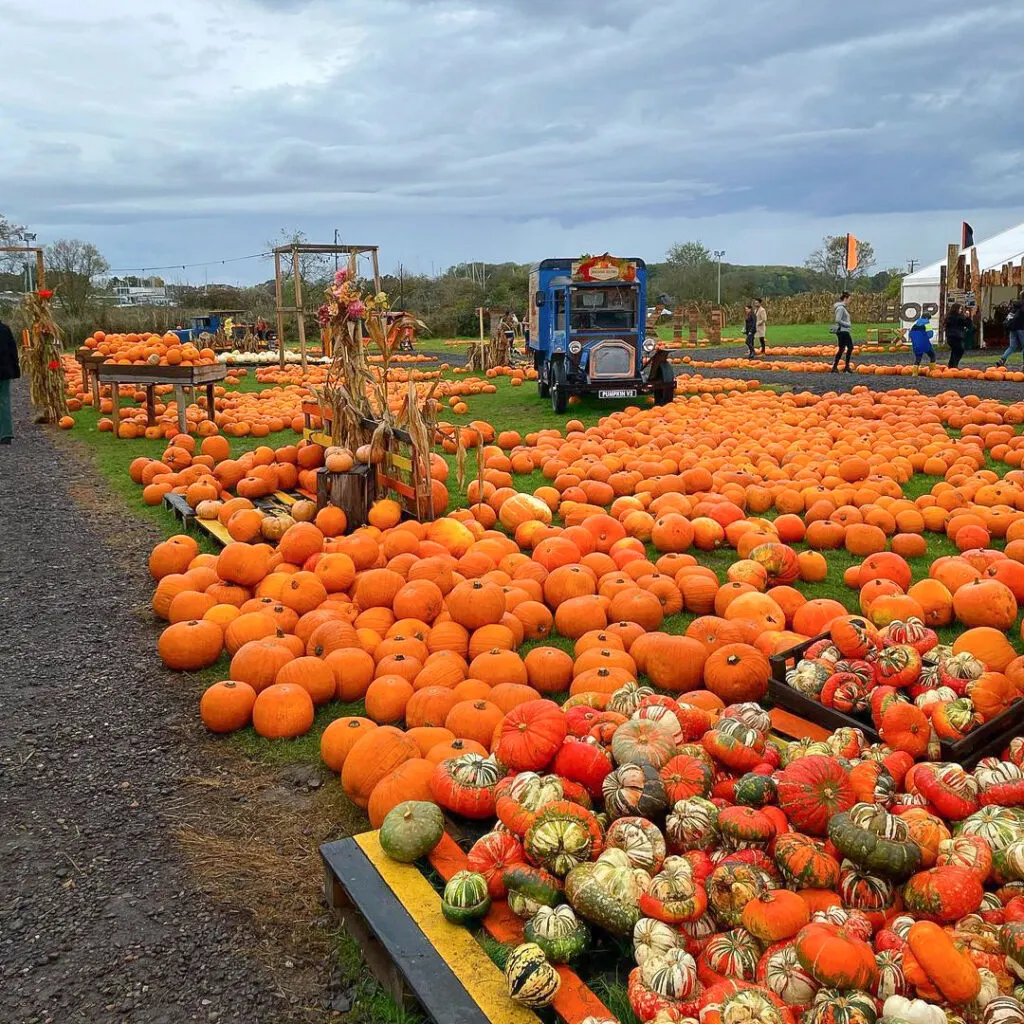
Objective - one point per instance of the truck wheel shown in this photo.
(559, 395)
(664, 384)
(543, 388)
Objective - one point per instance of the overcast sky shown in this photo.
(450, 130)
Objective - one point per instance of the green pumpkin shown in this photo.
(998, 826)
(607, 892)
(529, 978)
(465, 897)
(634, 789)
(877, 842)
(753, 790)
(559, 933)
(411, 830)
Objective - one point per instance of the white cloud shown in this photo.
(453, 129)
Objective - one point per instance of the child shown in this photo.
(921, 342)
(750, 329)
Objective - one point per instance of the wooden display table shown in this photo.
(150, 377)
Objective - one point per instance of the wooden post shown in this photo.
(677, 325)
(150, 407)
(280, 314)
(300, 314)
(115, 401)
(480, 314)
(179, 394)
(40, 270)
(376, 271)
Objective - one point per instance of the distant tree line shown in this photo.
(447, 303)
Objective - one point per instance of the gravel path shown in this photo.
(100, 918)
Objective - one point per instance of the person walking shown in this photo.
(761, 317)
(842, 328)
(921, 342)
(1015, 331)
(957, 326)
(9, 370)
(750, 328)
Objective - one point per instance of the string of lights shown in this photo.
(185, 266)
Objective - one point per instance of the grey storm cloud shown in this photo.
(512, 125)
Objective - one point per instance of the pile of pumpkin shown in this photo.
(148, 349)
(217, 486)
(867, 369)
(757, 879)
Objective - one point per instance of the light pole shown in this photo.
(719, 253)
(30, 239)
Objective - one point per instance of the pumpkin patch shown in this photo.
(579, 663)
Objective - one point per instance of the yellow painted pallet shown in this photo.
(395, 915)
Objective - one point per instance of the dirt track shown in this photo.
(106, 791)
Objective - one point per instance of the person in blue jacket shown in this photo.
(921, 341)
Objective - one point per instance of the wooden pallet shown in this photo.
(394, 913)
(213, 528)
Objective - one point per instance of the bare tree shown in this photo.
(12, 234)
(829, 260)
(72, 266)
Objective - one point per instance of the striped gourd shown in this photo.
(529, 978)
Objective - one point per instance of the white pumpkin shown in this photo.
(209, 509)
(913, 1011)
(304, 511)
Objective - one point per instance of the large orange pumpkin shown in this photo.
(372, 758)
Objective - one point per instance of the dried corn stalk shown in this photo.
(47, 386)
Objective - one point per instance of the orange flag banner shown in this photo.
(851, 254)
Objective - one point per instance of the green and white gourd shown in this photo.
(559, 933)
(466, 898)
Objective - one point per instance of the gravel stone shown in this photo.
(100, 919)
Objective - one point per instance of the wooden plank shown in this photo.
(479, 976)
(406, 947)
(180, 507)
(574, 1002)
(216, 529)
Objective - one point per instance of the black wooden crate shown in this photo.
(988, 740)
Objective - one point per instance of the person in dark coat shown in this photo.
(957, 326)
(9, 370)
(750, 330)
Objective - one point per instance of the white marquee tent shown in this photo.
(1007, 247)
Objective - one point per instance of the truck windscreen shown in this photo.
(609, 308)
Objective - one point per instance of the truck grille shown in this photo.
(611, 359)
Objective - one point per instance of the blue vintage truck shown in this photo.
(588, 331)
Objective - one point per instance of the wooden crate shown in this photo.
(988, 740)
(398, 475)
(353, 492)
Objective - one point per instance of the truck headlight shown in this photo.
(575, 348)
(649, 346)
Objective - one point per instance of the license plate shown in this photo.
(617, 393)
